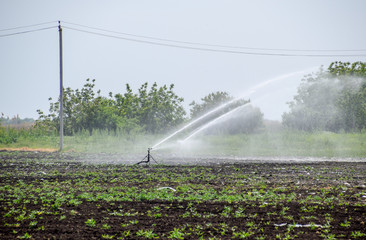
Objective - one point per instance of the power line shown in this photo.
(23, 32)
(191, 45)
(212, 49)
(28, 26)
(214, 45)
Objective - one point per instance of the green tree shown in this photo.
(209, 102)
(80, 110)
(156, 110)
(330, 100)
(352, 100)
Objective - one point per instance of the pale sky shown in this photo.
(29, 63)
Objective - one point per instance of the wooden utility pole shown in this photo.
(61, 91)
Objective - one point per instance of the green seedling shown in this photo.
(90, 222)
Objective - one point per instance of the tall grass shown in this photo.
(26, 137)
(268, 143)
(100, 141)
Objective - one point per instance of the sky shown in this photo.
(254, 49)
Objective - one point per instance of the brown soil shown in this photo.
(207, 215)
(26, 149)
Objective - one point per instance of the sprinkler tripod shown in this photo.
(147, 157)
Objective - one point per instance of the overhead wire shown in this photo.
(186, 44)
(27, 26)
(214, 45)
(212, 49)
(28, 31)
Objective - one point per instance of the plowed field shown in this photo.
(47, 195)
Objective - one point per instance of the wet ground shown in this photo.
(106, 196)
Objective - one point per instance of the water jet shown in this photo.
(196, 129)
(212, 122)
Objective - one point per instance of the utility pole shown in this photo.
(61, 91)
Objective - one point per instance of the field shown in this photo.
(105, 196)
(282, 143)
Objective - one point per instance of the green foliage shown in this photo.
(11, 135)
(330, 100)
(209, 102)
(177, 234)
(241, 116)
(357, 234)
(239, 201)
(155, 110)
(146, 234)
(7, 135)
(90, 222)
(352, 100)
(11, 129)
(26, 236)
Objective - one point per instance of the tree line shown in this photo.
(150, 110)
(328, 100)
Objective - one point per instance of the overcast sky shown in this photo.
(250, 30)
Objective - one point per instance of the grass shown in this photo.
(283, 143)
(270, 143)
(290, 143)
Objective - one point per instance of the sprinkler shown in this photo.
(147, 157)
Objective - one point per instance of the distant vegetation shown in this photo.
(16, 121)
(332, 100)
(153, 111)
(11, 129)
(149, 110)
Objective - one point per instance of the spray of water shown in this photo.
(275, 80)
(195, 121)
(244, 95)
(214, 121)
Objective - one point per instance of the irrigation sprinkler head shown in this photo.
(147, 157)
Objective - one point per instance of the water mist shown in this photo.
(200, 127)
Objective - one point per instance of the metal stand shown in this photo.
(147, 157)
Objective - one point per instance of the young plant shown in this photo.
(357, 234)
(90, 222)
(105, 226)
(147, 234)
(176, 234)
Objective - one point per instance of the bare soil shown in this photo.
(27, 149)
(204, 219)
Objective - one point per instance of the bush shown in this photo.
(8, 135)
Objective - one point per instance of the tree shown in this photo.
(352, 100)
(209, 102)
(81, 109)
(330, 100)
(154, 111)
